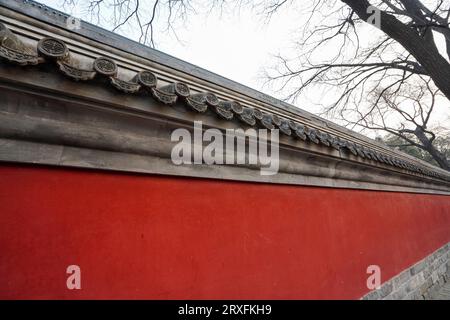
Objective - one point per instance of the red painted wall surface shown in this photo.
(151, 237)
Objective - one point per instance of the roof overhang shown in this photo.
(92, 99)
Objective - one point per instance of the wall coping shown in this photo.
(35, 41)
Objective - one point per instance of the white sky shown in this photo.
(237, 44)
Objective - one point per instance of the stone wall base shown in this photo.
(421, 281)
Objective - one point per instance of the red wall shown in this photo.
(151, 237)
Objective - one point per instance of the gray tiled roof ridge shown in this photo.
(57, 18)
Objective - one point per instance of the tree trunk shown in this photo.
(446, 34)
(435, 64)
(421, 10)
(418, 9)
(438, 156)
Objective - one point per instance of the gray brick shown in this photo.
(442, 251)
(422, 281)
(418, 267)
(442, 269)
(428, 282)
(388, 297)
(372, 295)
(399, 294)
(441, 281)
(401, 279)
(426, 273)
(408, 297)
(416, 296)
(434, 290)
(431, 257)
(436, 264)
(424, 287)
(415, 282)
(385, 289)
(435, 277)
